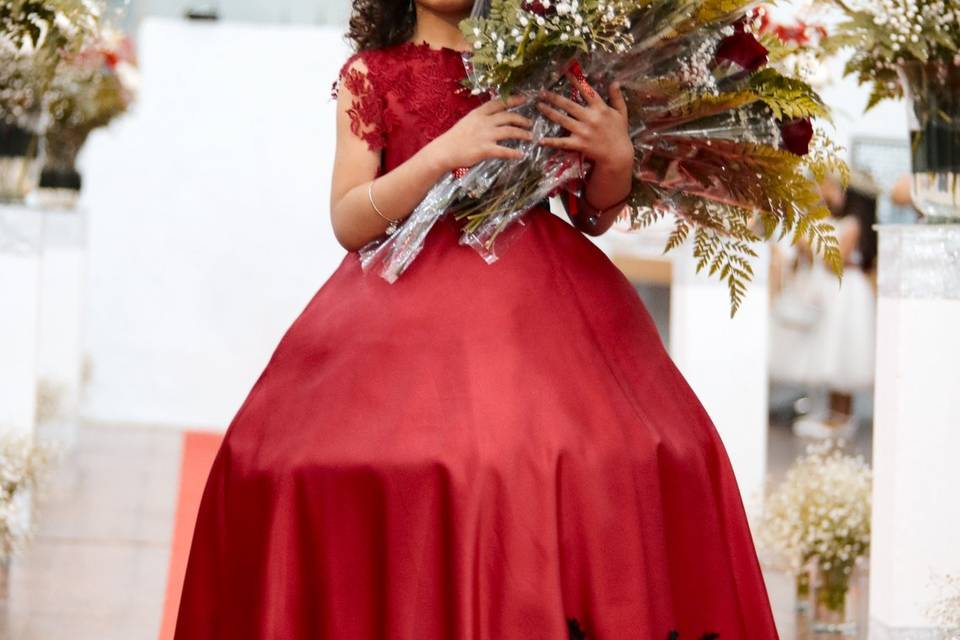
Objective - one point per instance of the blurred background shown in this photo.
(172, 221)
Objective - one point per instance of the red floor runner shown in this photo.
(199, 450)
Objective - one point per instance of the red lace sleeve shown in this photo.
(366, 108)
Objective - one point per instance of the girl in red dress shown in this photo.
(476, 452)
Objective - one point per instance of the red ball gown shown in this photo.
(475, 452)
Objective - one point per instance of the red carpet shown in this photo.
(199, 449)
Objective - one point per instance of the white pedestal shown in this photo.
(60, 351)
(916, 512)
(725, 360)
(20, 234)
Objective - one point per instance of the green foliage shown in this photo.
(510, 43)
(33, 24)
(35, 35)
(774, 197)
(722, 245)
(883, 37)
(789, 98)
(777, 49)
(716, 10)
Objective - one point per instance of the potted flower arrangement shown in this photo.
(34, 34)
(818, 520)
(89, 89)
(20, 97)
(911, 48)
(22, 464)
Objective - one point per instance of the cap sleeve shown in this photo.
(366, 106)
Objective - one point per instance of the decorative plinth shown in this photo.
(59, 345)
(20, 240)
(916, 514)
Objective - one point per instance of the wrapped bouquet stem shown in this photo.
(723, 144)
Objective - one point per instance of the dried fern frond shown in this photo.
(789, 98)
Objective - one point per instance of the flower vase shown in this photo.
(19, 160)
(60, 182)
(837, 591)
(933, 105)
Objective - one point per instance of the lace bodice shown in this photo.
(404, 96)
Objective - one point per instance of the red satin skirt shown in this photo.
(476, 452)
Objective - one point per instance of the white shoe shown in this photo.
(818, 428)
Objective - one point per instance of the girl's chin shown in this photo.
(447, 6)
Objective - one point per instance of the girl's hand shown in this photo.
(477, 135)
(600, 131)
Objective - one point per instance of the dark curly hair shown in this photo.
(375, 24)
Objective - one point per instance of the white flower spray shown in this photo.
(820, 514)
(22, 466)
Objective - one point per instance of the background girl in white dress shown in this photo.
(823, 331)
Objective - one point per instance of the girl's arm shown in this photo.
(475, 137)
(599, 131)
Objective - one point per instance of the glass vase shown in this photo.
(60, 182)
(19, 162)
(933, 115)
(837, 595)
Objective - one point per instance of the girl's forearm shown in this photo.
(606, 186)
(396, 194)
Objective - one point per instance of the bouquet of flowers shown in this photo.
(820, 513)
(34, 34)
(90, 89)
(724, 143)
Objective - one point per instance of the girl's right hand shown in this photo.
(476, 136)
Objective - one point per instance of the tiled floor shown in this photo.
(97, 568)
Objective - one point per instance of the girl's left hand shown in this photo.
(600, 131)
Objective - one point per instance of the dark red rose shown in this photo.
(795, 136)
(535, 6)
(742, 49)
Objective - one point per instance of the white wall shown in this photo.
(208, 228)
(21, 231)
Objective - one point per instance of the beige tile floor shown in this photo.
(96, 569)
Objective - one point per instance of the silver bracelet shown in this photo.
(392, 224)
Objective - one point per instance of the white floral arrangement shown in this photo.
(945, 612)
(820, 514)
(22, 466)
(34, 36)
(884, 34)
